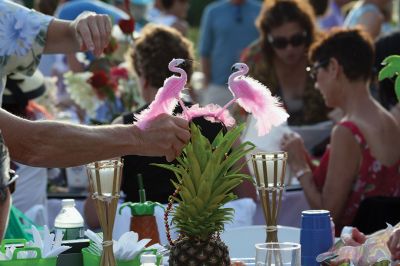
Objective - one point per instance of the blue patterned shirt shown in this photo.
(22, 39)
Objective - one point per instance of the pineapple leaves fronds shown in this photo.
(206, 175)
(218, 139)
(193, 164)
(202, 149)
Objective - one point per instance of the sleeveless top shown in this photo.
(374, 179)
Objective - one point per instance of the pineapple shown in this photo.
(206, 176)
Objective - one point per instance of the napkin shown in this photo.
(48, 243)
(127, 247)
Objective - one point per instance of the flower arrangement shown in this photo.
(108, 81)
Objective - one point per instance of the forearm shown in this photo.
(61, 38)
(206, 68)
(313, 195)
(55, 144)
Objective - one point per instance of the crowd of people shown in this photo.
(321, 58)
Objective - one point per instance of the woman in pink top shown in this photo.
(363, 158)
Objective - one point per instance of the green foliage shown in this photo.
(391, 69)
(206, 175)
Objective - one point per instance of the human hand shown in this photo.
(354, 238)
(164, 136)
(294, 145)
(394, 244)
(92, 31)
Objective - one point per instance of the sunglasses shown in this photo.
(313, 70)
(282, 42)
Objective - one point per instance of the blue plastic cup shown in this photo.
(315, 235)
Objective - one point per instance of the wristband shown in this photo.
(301, 173)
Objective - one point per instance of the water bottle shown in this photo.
(70, 221)
(148, 260)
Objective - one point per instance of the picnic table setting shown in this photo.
(196, 215)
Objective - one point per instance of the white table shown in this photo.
(241, 240)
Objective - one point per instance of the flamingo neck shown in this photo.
(180, 71)
(235, 75)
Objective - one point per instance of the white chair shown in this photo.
(241, 240)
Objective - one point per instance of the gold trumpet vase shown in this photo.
(269, 170)
(105, 182)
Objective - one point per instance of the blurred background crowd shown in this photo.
(273, 37)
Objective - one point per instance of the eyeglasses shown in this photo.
(282, 42)
(313, 70)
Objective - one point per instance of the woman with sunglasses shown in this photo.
(278, 58)
(363, 159)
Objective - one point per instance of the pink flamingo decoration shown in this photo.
(255, 98)
(167, 96)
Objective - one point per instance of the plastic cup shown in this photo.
(278, 254)
(315, 235)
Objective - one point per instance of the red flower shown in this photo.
(119, 73)
(127, 25)
(102, 85)
(99, 79)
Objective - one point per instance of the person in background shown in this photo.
(173, 14)
(287, 29)
(363, 159)
(18, 99)
(227, 27)
(334, 17)
(371, 15)
(154, 49)
(56, 144)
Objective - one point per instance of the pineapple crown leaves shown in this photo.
(206, 175)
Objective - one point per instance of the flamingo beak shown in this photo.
(234, 68)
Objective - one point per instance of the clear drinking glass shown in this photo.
(278, 254)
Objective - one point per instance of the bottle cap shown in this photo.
(148, 258)
(68, 202)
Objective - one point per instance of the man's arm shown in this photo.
(88, 31)
(56, 144)
(206, 68)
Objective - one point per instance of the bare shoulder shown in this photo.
(382, 133)
(343, 140)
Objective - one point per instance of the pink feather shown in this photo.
(166, 98)
(209, 112)
(255, 98)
